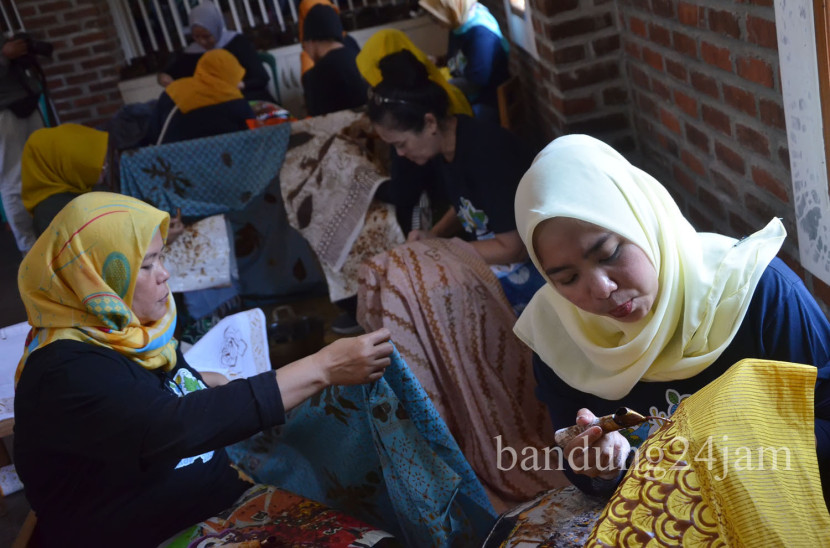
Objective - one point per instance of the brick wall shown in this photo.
(83, 73)
(699, 84)
(579, 85)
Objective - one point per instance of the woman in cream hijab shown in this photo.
(639, 309)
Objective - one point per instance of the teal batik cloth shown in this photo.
(207, 176)
(381, 453)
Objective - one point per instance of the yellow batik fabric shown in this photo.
(737, 467)
(78, 280)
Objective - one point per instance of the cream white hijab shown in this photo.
(705, 280)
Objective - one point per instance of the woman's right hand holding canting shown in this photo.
(594, 453)
(356, 360)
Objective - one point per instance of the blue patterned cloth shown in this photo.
(208, 176)
(381, 453)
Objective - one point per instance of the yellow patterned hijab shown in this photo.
(388, 41)
(453, 13)
(705, 280)
(77, 281)
(216, 80)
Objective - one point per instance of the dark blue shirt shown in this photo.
(783, 323)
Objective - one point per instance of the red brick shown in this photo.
(42, 21)
(639, 77)
(697, 137)
(761, 209)
(678, 70)
(713, 203)
(740, 99)
(690, 14)
(555, 7)
(607, 44)
(75, 116)
(638, 27)
(692, 162)
(754, 140)
(615, 96)
(89, 100)
(71, 54)
(26, 12)
(756, 70)
(716, 119)
(659, 35)
(82, 13)
(725, 184)
(667, 144)
(705, 84)
(685, 44)
(685, 181)
(670, 121)
(82, 78)
(739, 226)
(578, 27)
(601, 124)
(59, 70)
(771, 113)
(65, 93)
(632, 50)
(661, 89)
(724, 22)
(730, 158)
(580, 105)
(570, 54)
(58, 32)
(662, 8)
(89, 37)
(587, 76)
(53, 7)
(769, 183)
(653, 59)
(715, 56)
(95, 62)
(686, 103)
(647, 106)
(762, 32)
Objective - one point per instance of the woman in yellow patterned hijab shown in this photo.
(95, 276)
(215, 81)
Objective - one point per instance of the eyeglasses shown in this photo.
(381, 100)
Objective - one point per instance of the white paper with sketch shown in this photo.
(12, 340)
(236, 347)
(201, 257)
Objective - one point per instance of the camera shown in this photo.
(34, 48)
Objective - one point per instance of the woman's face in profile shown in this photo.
(203, 37)
(151, 291)
(596, 270)
(417, 147)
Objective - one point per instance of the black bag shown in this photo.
(23, 108)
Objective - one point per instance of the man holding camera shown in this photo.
(19, 117)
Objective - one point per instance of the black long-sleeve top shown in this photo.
(112, 453)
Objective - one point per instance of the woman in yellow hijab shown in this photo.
(208, 103)
(388, 41)
(59, 163)
(639, 309)
(116, 436)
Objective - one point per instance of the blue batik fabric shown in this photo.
(208, 176)
(381, 453)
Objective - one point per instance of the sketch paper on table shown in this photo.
(236, 347)
(12, 340)
(201, 257)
